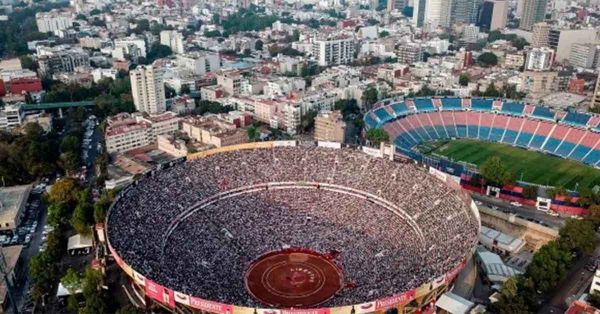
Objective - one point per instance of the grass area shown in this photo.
(529, 165)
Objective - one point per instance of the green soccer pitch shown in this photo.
(529, 166)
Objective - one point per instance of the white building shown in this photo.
(53, 21)
(174, 40)
(100, 73)
(333, 50)
(125, 132)
(584, 55)
(539, 59)
(200, 63)
(148, 89)
(140, 43)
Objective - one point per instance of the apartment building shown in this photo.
(148, 89)
(330, 126)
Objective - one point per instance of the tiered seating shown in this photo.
(451, 104)
(400, 109)
(481, 104)
(543, 113)
(528, 129)
(382, 114)
(555, 138)
(576, 119)
(541, 134)
(514, 108)
(418, 121)
(370, 121)
(424, 104)
(594, 121)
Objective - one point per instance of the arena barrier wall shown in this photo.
(423, 296)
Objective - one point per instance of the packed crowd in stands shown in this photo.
(208, 253)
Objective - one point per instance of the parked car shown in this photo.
(516, 204)
(552, 213)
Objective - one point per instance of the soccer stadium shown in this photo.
(572, 137)
(292, 227)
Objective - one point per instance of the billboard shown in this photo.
(395, 300)
(159, 293)
(326, 144)
(210, 306)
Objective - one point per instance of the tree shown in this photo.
(158, 51)
(496, 173)
(369, 97)
(578, 236)
(549, 266)
(556, 191)
(28, 63)
(169, 92)
(185, 89)
(258, 45)
(425, 91)
(594, 299)
(384, 34)
(491, 91)
(94, 300)
(83, 217)
(70, 143)
(487, 59)
(64, 191)
(530, 191)
(594, 215)
(43, 271)
(464, 79)
(376, 136)
(308, 120)
(253, 133)
(510, 301)
(58, 215)
(101, 208)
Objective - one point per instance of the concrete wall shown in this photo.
(534, 234)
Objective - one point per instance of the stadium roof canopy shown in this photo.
(79, 242)
(494, 267)
(454, 304)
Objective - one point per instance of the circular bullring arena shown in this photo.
(276, 225)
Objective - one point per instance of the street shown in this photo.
(525, 212)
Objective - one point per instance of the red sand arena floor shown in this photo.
(293, 279)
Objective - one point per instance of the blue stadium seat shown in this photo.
(565, 148)
(579, 152)
(592, 158)
(514, 108)
(472, 131)
(382, 114)
(576, 119)
(496, 134)
(523, 139)
(510, 136)
(400, 109)
(451, 131)
(482, 104)
(538, 141)
(452, 103)
(441, 130)
(484, 132)
(419, 134)
(424, 104)
(370, 122)
(431, 132)
(543, 113)
(551, 145)
(462, 130)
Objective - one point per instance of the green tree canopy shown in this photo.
(64, 191)
(370, 96)
(377, 136)
(549, 266)
(578, 236)
(496, 173)
(487, 59)
(464, 79)
(258, 45)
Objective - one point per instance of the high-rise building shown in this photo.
(333, 50)
(539, 59)
(419, 9)
(541, 35)
(584, 55)
(172, 39)
(561, 40)
(492, 15)
(464, 11)
(53, 21)
(437, 13)
(596, 96)
(397, 5)
(534, 11)
(410, 53)
(148, 89)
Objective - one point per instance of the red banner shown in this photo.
(307, 311)
(159, 293)
(398, 299)
(210, 306)
(454, 272)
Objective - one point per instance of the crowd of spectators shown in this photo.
(208, 253)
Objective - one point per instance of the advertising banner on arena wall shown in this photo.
(342, 310)
(139, 278)
(307, 311)
(210, 306)
(372, 151)
(438, 174)
(159, 293)
(454, 272)
(182, 298)
(334, 145)
(398, 299)
(365, 308)
(284, 143)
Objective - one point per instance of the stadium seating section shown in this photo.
(569, 135)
